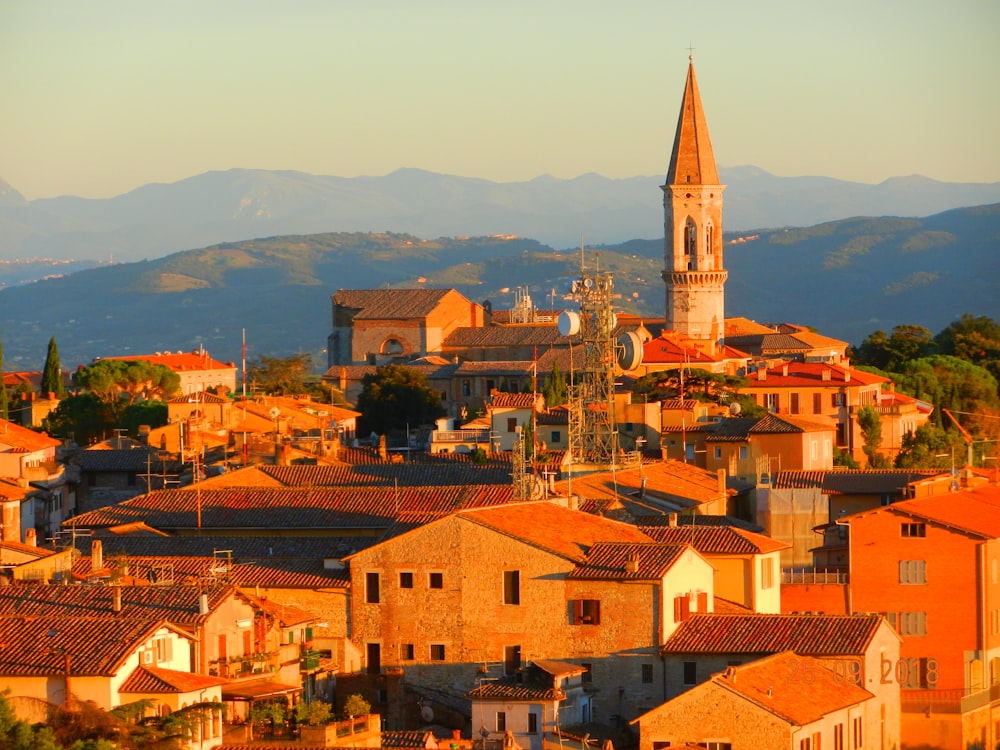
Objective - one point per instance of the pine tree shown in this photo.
(52, 381)
(3, 388)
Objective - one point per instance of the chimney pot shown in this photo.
(117, 604)
(672, 520)
(30, 538)
(96, 555)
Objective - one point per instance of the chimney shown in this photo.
(672, 520)
(203, 604)
(721, 473)
(762, 372)
(632, 564)
(96, 555)
(30, 538)
(116, 605)
(784, 370)
(827, 375)
(847, 376)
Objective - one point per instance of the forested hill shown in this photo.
(846, 278)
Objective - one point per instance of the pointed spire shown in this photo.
(692, 161)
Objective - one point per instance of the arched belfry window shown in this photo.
(392, 346)
(691, 245)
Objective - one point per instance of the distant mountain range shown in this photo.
(158, 219)
(847, 278)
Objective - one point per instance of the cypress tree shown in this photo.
(52, 381)
(3, 388)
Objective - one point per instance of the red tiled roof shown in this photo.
(286, 615)
(810, 375)
(853, 481)
(504, 336)
(423, 474)
(177, 604)
(612, 560)
(974, 510)
(708, 540)
(179, 361)
(39, 645)
(812, 635)
(503, 400)
(289, 508)
(771, 684)
(568, 533)
(391, 304)
(156, 680)
(17, 437)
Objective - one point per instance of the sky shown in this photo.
(100, 97)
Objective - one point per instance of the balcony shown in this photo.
(981, 699)
(812, 575)
(310, 660)
(461, 436)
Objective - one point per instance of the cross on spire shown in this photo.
(690, 52)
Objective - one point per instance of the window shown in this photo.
(856, 725)
(371, 588)
(532, 723)
(382, 696)
(164, 649)
(718, 452)
(374, 652)
(814, 449)
(556, 436)
(587, 676)
(511, 424)
(909, 623)
(766, 573)
(771, 401)
(585, 612)
(817, 403)
(511, 659)
(913, 530)
(437, 652)
(690, 672)
(512, 587)
(743, 453)
(805, 744)
(501, 721)
(406, 651)
(647, 674)
(913, 571)
(490, 385)
(466, 387)
(838, 737)
(406, 580)
(916, 673)
(793, 403)
(435, 581)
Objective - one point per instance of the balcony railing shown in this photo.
(812, 575)
(980, 699)
(461, 436)
(932, 701)
(310, 660)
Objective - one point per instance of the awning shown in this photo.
(254, 689)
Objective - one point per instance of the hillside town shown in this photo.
(692, 531)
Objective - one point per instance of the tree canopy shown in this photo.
(280, 376)
(395, 396)
(52, 380)
(120, 383)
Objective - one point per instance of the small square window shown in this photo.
(372, 588)
(435, 581)
(647, 673)
(406, 580)
(437, 652)
(690, 672)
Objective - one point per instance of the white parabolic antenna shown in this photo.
(427, 713)
(629, 351)
(568, 323)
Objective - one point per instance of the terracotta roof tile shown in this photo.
(38, 645)
(179, 361)
(974, 510)
(853, 481)
(388, 475)
(568, 533)
(504, 336)
(312, 508)
(156, 680)
(708, 540)
(14, 436)
(391, 304)
(627, 561)
(771, 683)
(812, 635)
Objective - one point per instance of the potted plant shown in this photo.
(313, 719)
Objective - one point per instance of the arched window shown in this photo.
(392, 346)
(691, 245)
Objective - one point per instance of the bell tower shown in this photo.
(692, 219)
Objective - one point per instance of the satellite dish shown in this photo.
(614, 321)
(735, 408)
(588, 283)
(427, 713)
(275, 412)
(629, 351)
(568, 323)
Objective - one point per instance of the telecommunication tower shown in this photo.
(593, 436)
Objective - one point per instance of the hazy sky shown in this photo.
(101, 96)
